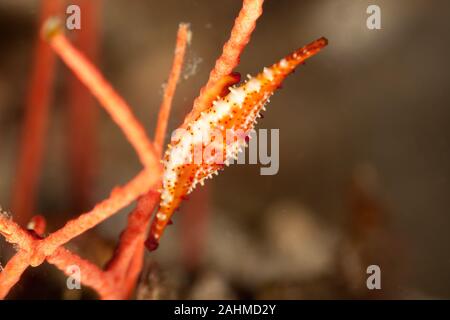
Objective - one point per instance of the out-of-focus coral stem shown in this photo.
(89, 75)
(240, 35)
(82, 113)
(35, 122)
(193, 228)
(183, 38)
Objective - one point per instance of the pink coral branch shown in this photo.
(134, 270)
(61, 258)
(91, 77)
(13, 271)
(134, 233)
(92, 275)
(129, 254)
(240, 35)
(14, 233)
(34, 128)
(183, 38)
(120, 198)
(82, 113)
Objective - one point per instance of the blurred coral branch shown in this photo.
(240, 35)
(82, 114)
(194, 226)
(113, 103)
(37, 103)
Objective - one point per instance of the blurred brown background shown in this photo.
(374, 105)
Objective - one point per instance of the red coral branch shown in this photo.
(193, 227)
(134, 270)
(91, 275)
(36, 249)
(130, 252)
(133, 234)
(14, 233)
(15, 267)
(183, 38)
(91, 77)
(220, 77)
(240, 35)
(82, 113)
(35, 122)
(13, 271)
(61, 258)
(120, 198)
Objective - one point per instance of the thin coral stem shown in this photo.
(193, 228)
(37, 104)
(90, 76)
(128, 258)
(119, 198)
(243, 27)
(183, 38)
(14, 233)
(13, 271)
(91, 275)
(126, 283)
(61, 258)
(134, 270)
(134, 233)
(82, 113)
(240, 35)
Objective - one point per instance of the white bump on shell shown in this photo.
(268, 74)
(253, 85)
